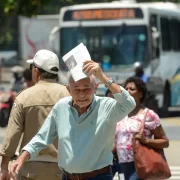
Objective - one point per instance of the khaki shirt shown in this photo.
(30, 109)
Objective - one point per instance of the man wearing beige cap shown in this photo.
(30, 109)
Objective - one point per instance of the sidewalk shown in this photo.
(172, 153)
(172, 129)
(171, 121)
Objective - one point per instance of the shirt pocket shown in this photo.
(29, 170)
(29, 175)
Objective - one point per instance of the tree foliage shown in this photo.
(33, 7)
(10, 9)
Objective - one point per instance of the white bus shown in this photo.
(119, 34)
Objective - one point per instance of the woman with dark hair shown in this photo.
(127, 127)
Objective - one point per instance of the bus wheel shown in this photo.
(166, 100)
(151, 102)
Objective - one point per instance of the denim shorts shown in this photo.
(127, 169)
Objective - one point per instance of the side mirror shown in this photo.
(155, 33)
(155, 41)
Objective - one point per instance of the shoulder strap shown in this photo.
(143, 121)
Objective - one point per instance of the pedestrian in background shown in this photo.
(27, 75)
(85, 125)
(139, 72)
(30, 109)
(109, 93)
(128, 126)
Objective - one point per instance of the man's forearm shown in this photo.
(25, 156)
(5, 163)
(114, 88)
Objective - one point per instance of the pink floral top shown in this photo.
(127, 127)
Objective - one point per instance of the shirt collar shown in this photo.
(46, 81)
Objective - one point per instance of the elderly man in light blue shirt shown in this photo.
(85, 125)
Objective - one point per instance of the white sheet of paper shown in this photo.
(74, 60)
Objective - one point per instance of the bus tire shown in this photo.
(151, 102)
(166, 100)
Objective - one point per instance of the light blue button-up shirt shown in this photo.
(85, 141)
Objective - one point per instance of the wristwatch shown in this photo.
(110, 81)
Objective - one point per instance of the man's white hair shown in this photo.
(70, 78)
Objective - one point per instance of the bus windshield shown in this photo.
(119, 45)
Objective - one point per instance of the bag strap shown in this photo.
(143, 122)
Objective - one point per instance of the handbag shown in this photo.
(150, 163)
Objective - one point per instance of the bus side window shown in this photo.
(165, 34)
(174, 34)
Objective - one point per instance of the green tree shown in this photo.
(10, 9)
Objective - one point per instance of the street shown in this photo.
(172, 129)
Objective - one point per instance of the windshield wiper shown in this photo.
(121, 31)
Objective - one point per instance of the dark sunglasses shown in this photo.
(31, 66)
